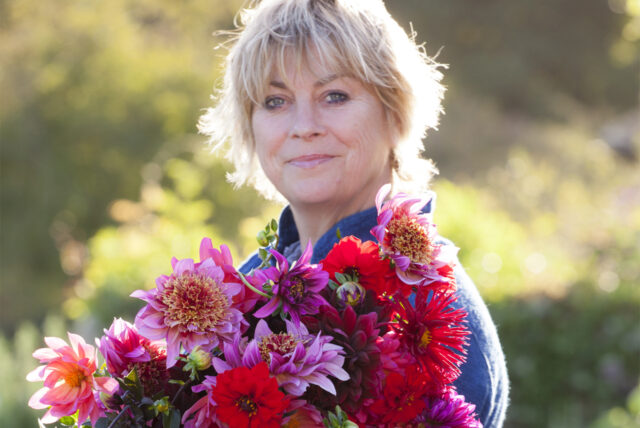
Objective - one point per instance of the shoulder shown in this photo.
(251, 262)
(484, 380)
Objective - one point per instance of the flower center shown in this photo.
(195, 302)
(425, 339)
(75, 378)
(281, 343)
(247, 405)
(296, 289)
(407, 237)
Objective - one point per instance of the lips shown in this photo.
(309, 161)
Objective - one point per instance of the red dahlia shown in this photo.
(361, 261)
(402, 397)
(433, 332)
(249, 398)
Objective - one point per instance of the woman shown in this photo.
(323, 102)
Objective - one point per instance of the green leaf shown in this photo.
(338, 233)
(68, 420)
(102, 423)
(274, 225)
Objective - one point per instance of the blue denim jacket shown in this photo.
(484, 381)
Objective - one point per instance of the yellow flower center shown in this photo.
(195, 302)
(407, 237)
(282, 343)
(296, 291)
(425, 339)
(247, 405)
(74, 378)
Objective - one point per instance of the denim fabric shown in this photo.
(484, 381)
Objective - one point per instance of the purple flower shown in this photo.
(408, 236)
(192, 307)
(296, 290)
(449, 410)
(295, 358)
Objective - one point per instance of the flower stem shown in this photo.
(113, 422)
(251, 287)
(182, 387)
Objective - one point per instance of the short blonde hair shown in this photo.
(353, 37)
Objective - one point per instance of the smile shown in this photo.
(309, 161)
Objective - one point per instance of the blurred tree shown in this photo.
(89, 93)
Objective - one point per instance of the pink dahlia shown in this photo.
(204, 410)
(124, 349)
(69, 384)
(296, 358)
(408, 237)
(449, 410)
(296, 290)
(192, 307)
(245, 300)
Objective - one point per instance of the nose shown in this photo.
(305, 124)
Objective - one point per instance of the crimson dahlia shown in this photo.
(249, 398)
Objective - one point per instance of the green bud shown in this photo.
(199, 359)
(262, 238)
(350, 293)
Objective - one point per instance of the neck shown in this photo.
(314, 220)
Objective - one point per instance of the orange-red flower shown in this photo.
(68, 380)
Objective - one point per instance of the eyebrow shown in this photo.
(317, 84)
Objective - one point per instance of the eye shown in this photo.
(336, 97)
(273, 102)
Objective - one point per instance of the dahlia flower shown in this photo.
(361, 262)
(448, 410)
(245, 300)
(204, 410)
(192, 307)
(296, 358)
(69, 384)
(433, 333)
(249, 398)
(408, 237)
(357, 334)
(297, 289)
(402, 397)
(124, 349)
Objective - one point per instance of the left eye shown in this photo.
(337, 97)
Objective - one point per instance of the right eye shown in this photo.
(273, 102)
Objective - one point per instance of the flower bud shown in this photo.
(199, 359)
(350, 293)
(262, 238)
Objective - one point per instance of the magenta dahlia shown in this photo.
(296, 289)
(408, 237)
(448, 410)
(191, 307)
(296, 358)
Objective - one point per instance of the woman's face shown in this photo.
(323, 140)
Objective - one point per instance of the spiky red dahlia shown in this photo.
(357, 334)
(249, 398)
(192, 307)
(433, 332)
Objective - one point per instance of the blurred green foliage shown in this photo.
(104, 180)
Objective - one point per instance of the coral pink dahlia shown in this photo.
(192, 307)
(69, 384)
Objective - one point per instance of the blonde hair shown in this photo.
(353, 37)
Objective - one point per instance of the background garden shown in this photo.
(104, 178)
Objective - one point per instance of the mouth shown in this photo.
(309, 161)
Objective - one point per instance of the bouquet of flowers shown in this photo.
(367, 337)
